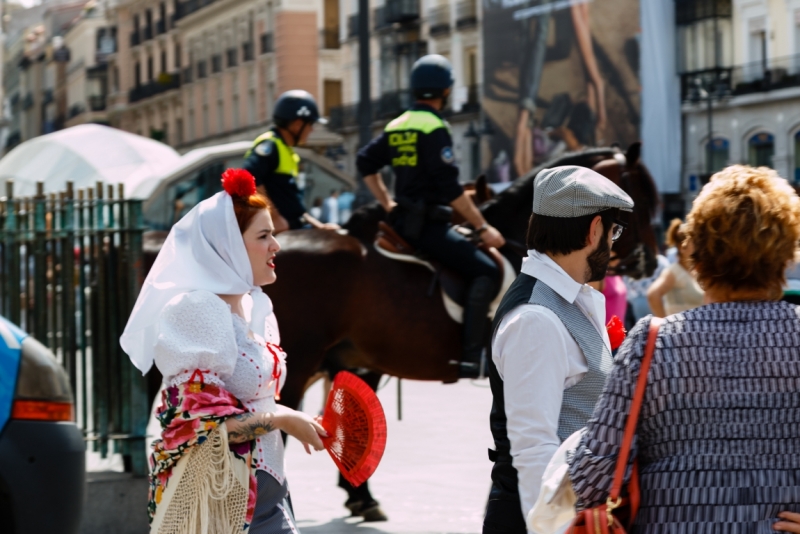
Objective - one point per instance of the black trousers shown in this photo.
(441, 242)
(504, 516)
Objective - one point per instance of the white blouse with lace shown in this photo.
(198, 331)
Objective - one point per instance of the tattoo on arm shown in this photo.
(248, 426)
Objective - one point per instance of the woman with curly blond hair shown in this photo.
(718, 439)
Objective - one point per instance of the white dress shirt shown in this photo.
(538, 359)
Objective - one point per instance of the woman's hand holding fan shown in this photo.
(301, 426)
(356, 427)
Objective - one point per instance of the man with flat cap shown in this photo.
(550, 348)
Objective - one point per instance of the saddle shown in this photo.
(453, 286)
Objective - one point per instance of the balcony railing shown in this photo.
(690, 11)
(187, 7)
(135, 39)
(466, 14)
(329, 38)
(147, 33)
(75, 110)
(267, 44)
(164, 83)
(352, 26)
(247, 52)
(402, 10)
(161, 27)
(27, 102)
(756, 77)
(97, 102)
(379, 19)
(439, 20)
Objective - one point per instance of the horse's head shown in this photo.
(636, 248)
(510, 210)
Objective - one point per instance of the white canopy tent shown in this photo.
(84, 155)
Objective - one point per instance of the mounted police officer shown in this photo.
(275, 165)
(419, 148)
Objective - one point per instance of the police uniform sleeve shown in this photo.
(439, 159)
(262, 162)
(373, 157)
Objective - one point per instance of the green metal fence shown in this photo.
(71, 266)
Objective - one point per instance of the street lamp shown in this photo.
(475, 134)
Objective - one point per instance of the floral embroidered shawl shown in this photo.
(188, 414)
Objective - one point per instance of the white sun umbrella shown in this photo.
(84, 155)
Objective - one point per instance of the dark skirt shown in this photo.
(273, 514)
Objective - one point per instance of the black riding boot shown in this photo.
(480, 294)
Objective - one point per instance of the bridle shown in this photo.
(636, 260)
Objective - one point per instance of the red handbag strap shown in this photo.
(633, 415)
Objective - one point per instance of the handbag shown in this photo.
(609, 518)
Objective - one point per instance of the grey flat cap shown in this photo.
(571, 191)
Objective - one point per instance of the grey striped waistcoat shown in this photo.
(579, 400)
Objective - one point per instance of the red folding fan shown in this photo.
(356, 427)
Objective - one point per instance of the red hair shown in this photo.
(247, 200)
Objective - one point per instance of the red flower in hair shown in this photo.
(616, 332)
(238, 183)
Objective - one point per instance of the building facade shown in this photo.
(740, 86)
(195, 73)
(402, 31)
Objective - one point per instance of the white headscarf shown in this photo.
(203, 251)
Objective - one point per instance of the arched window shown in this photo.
(761, 148)
(717, 152)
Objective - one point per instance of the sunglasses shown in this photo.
(616, 229)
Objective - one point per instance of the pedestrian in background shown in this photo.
(717, 441)
(676, 290)
(330, 208)
(316, 208)
(637, 289)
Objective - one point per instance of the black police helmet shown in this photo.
(296, 104)
(430, 76)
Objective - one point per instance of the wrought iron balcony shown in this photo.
(247, 52)
(165, 82)
(379, 19)
(352, 26)
(267, 44)
(756, 77)
(402, 11)
(97, 102)
(691, 11)
(439, 21)
(329, 38)
(466, 14)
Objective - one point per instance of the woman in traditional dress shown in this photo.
(203, 319)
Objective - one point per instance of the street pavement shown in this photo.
(434, 476)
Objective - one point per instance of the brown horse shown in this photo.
(337, 298)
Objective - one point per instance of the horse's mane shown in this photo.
(363, 222)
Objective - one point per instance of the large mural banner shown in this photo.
(559, 75)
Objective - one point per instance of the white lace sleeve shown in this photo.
(195, 331)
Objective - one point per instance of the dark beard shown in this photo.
(597, 262)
